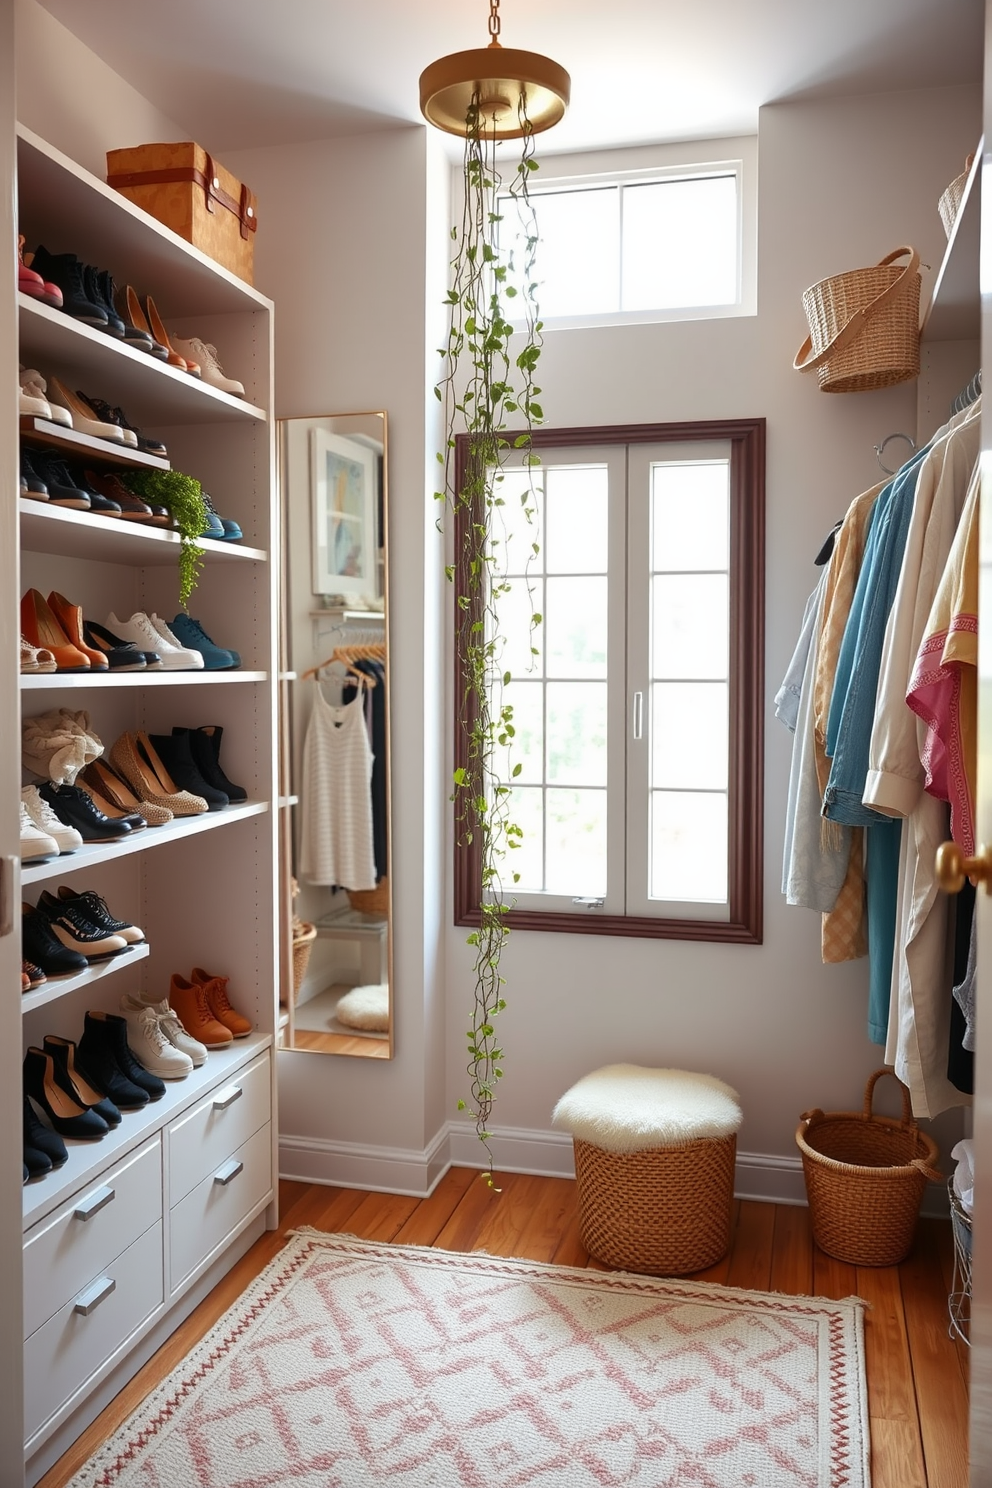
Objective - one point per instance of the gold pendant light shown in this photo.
(516, 93)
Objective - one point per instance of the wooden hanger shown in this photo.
(347, 656)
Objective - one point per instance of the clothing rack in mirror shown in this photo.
(348, 655)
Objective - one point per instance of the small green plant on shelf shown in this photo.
(485, 385)
(182, 497)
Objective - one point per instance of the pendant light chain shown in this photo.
(494, 22)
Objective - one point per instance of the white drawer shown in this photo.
(66, 1250)
(202, 1138)
(217, 1205)
(61, 1356)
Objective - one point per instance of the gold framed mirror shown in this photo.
(336, 995)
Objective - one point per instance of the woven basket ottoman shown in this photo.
(654, 1164)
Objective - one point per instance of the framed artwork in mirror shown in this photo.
(344, 502)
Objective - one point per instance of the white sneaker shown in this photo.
(195, 350)
(66, 839)
(169, 638)
(36, 845)
(148, 1043)
(147, 637)
(33, 398)
(171, 1027)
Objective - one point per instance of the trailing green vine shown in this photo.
(182, 496)
(484, 386)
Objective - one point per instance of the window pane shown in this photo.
(690, 710)
(576, 747)
(578, 256)
(577, 512)
(688, 846)
(527, 746)
(525, 810)
(690, 515)
(514, 611)
(689, 625)
(574, 628)
(576, 841)
(680, 244)
(515, 533)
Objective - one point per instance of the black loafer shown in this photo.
(122, 656)
(75, 808)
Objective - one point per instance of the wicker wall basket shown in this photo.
(865, 1179)
(303, 939)
(665, 1211)
(949, 204)
(864, 327)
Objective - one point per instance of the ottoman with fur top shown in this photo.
(654, 1165)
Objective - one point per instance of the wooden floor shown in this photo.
(917, 1376)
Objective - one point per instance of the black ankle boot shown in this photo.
(65, 270)
(106, 1053)
(176, 754)
(205, 746)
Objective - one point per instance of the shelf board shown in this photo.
(150, 391)
(38, 431)
(954, 311)
(111, 232)
(57, 987)
(96, 682)
(88, 857)
(80, 534)
(88, 1159)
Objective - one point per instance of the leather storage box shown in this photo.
(189, 191)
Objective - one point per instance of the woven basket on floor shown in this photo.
(864, 327)
(949, 204)
(303, 940)
(664, 1211)
(865, 1178)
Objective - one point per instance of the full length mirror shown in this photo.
(336, 997)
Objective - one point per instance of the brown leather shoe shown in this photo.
(188, 1001)
(133, 509)
(215, 988)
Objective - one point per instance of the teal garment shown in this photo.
(882, 841)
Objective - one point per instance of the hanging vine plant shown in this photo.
(182, 497)
(488, 385)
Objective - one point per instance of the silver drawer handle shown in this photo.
(94, 1295)
(230, 1170)
(227, 1097)
(94, 1202)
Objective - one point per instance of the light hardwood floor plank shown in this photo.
(431, 1215)
(751, 1258)
(940, 1389)
(897, 1448)
(792, 1251)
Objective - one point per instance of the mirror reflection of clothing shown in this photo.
(336, 846)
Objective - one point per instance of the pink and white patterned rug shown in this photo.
(349, 1364)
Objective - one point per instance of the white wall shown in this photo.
(840, 184)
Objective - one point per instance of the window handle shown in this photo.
(637, 719)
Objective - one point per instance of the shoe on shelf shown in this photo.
(103, 783)
(41, 1137)
(136, 822)
(121, 656)
(31, 482)
(82, 415)
(96, 910)
(41, 946)
(65, 271)
(62, 490)
(128, 307)
(31, 283)
(112, 1067)
(31, 976)
(149, 1044)
(67, 1115)
(170, 1025)
(36, 659)
(232, 530)
(135, 757)
(93, 284)
(36, 846)
(188, 1001)
(75, 807)
(161, 335)
(175, 753)
(70, 618)
(104, 414)
(132, 508)
(132, 435)
(41, 628)
(190, 632)
(149, 637)
(215, 991)
(213, 526)
(34, 388)
(205, 355)
(67, 839)
(74, 928)
(205, 745)
(73, 1081)
(100, 505)
(36, 1163)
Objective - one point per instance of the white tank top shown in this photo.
(336, 839)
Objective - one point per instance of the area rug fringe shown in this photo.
(124, 1459)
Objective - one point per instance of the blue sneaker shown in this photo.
(190, 633)
(229, 529)
(214, 527)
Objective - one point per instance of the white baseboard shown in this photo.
(769, 1177)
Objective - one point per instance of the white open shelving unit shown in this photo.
(950, 348)
(204, 888)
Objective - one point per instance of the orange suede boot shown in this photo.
(189, 1003)
(215, 988)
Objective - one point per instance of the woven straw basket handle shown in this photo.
(858, 322)
(907, 1118)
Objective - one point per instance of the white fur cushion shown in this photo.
(365, 1007)
(628, 1108)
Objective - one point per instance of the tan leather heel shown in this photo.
(134, 756)
(161, 335)
(101, 782)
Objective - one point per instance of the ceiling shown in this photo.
(244, 73)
